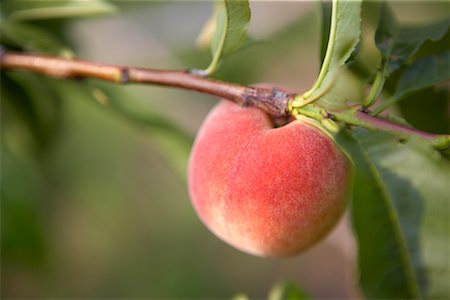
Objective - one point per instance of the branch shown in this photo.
(363, 119)
(272, 101)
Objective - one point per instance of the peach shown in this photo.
(266, 191)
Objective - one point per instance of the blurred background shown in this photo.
(97, 206)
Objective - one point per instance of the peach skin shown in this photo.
(266, 191)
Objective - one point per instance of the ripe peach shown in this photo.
(266, 191)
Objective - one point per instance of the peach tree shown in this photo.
(272, 169)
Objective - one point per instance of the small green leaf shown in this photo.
(286, 291)
(410, 39)
(343, 38)
(326, 8)
(397, 45)
(387, 32)
(38, 10)
(338, 95)
(423, 73)
(385, 37)
(230, 30)
(402, 228)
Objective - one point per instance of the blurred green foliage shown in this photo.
(93, 195)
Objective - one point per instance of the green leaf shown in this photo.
(286, 291)
(400, 216)
(431, 47)
(385, 36)
(410, 39)
(230, 30)
(339, 94)
(397, 45)
(343, 38)
(37, 10)
(387, 32)
(423, 73)
(326, 8)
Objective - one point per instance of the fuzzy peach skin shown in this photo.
(266, 191)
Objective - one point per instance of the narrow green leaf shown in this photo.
(338, 94)
(38, 10)
(326, 8)
(385, 37)
(387, 32)
(343, 38)
(431, 47)
(410, 39)
(230, 30)
(423, 73)
(231, 27)
(400, 216)
(397, 45)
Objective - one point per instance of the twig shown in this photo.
(363, 119)
(272, 101)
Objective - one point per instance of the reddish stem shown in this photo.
(383, 124)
